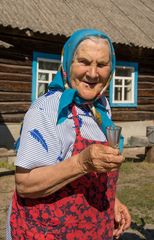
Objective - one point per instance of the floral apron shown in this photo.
(82, 210)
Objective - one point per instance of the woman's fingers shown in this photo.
(99, 149)
(100, 158)
(122, 218)
(105, 156)
(102, 166)
(110, 158)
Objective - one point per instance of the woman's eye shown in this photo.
(100, 65)
(84, 62)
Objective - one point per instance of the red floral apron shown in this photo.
(82, 210)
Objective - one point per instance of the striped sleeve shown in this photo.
(40, 144)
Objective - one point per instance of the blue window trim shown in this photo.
(134, 104)
(37, 55)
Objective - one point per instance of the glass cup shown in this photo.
(113, 135)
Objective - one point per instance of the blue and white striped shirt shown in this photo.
(43, 142)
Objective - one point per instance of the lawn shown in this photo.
(136, 190)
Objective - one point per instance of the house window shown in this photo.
(123, 87)
(44, 69)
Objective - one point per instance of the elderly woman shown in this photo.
(66, 173)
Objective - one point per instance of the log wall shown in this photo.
(15, 88)
(16, 72)
(145, 108)
(16, 76)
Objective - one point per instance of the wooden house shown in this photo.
(32, 34)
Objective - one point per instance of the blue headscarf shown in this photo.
(63, 76)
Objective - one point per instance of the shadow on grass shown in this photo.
(139, 158)
(147, 234)
(7, 140)
(130, 236)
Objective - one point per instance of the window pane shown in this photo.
(118, 81)
(43, 76)
(118, 93)
(48, 65)
(123, 71)
(42, 88)
(128, 94)
(53, 75)
(128, 82)
(128, 90)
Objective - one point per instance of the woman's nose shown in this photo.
(92, 71)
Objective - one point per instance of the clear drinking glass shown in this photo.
(113, 135)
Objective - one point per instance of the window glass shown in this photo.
(123, 79)
(118, 93)
(123, 71)
(47, 65)
(128, 82)
(42, 88)
(46, 71)
(44, 68)
(43, 76)
(123, 87)
(118, 81)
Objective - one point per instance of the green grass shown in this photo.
(136, 190)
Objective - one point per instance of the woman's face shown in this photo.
(90, 68)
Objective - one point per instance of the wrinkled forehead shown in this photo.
(96, 40)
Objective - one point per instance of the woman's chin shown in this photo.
(88, 96)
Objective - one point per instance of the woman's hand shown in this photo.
(99, 158)
(122, 219)
(43, 181)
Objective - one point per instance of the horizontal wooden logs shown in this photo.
(14, 107)
(15, 62)
(147, 70)
(16, 77)
(149, 107)
(145, 100)
(146, 85)
(13, 118)
(15, 68)
(145, 78)
(145, 92)
(15, 54)
(132, 115)
(16, 96)
(15, 86)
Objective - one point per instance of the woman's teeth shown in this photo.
(90, 83)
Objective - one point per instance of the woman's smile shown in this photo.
(89, 84)
(91, 68)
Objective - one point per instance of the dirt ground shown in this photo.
(6, 191)
(136, 232)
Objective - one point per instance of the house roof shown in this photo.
(128, 22)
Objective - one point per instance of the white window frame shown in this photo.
(133, 78)
(35, 70)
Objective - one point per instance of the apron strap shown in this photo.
(76, 121)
